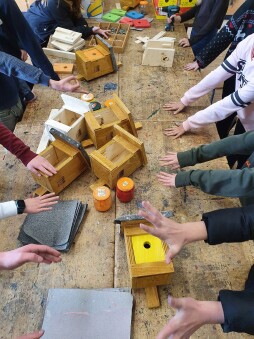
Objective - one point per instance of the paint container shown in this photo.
(87, 97)
(125, 189)
(102, 198)
(143, 7)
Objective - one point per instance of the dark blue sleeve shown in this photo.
(238, 308)
(230, 225)
(18, 26)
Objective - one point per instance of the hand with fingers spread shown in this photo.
(35, 335)
(191, 314)
(191, 66)
(174, 106)
(184, 42)
(68, 84)
(176, 132)
(41, 203)
(167, 179)
(41, 164)
(29, 253)
(166, 229)
(104, 32)
(170, 160)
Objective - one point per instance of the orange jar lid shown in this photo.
(144, 3)
(109, 102)
(101, 193)
(125, 184)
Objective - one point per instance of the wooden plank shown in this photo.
(59, 54)
(63, 68)
(152, 297)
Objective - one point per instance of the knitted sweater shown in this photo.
(240, 25)
(239, 63)
(208, 16)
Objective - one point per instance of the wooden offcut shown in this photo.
(63, 68)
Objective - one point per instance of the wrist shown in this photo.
(95, 29)
(195, 231)
(211, 312)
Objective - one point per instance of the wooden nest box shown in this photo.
(69, 159)
(119, 157)
(100, 123)
(146, 260)
(70, 119)
(97, 60)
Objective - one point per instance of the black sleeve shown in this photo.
(238, 308)
(215, 20)
(19, 27)
(230, 225)
(190, 14)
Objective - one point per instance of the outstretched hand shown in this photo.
(191, 314)
(68, 84)
(175, 132)
(174, 106)
(41, 203)
(170, 160)
(191, 66)
(29, 253)
(35, 335)
(167, 179)
(166, 229)
(41, 164)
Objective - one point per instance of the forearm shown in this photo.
(229, 225)
(15, 145)
(7, 209)
(190, 14)
(227, 183)
(238, 309)
(12, 66)
(237, 144)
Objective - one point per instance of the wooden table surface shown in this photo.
(98, 257)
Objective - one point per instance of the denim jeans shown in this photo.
(197, 47)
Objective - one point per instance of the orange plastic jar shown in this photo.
(125, 189)
(102, 198)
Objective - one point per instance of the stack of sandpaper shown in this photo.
(56, 228)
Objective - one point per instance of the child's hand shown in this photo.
(175, 131)
(171, 160)
(35, 335)
(191, 66)
(41, 203)
(167, 179)
(184, 42)
(174, 106)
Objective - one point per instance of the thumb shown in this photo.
(175, 302)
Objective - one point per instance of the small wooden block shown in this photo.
(87, 143)
(63, 68)
(80, 77)
(152, 297)
(142, 23)
(40, 191)
(60, 54)
(138, 125)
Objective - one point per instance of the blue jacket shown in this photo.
(44, 19)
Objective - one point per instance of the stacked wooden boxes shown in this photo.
(119, 157)
(67, 40)
(100, 123)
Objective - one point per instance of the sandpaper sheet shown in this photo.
(88, 314)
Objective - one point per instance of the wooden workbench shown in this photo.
(98, 258)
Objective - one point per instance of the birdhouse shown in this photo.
(126, 4)
(100, 123)
(68, 157)
(70, 119)
(96, 61)
(146, 260)
(159, 53)
(119, 157)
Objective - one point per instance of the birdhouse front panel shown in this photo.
(147, 248)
